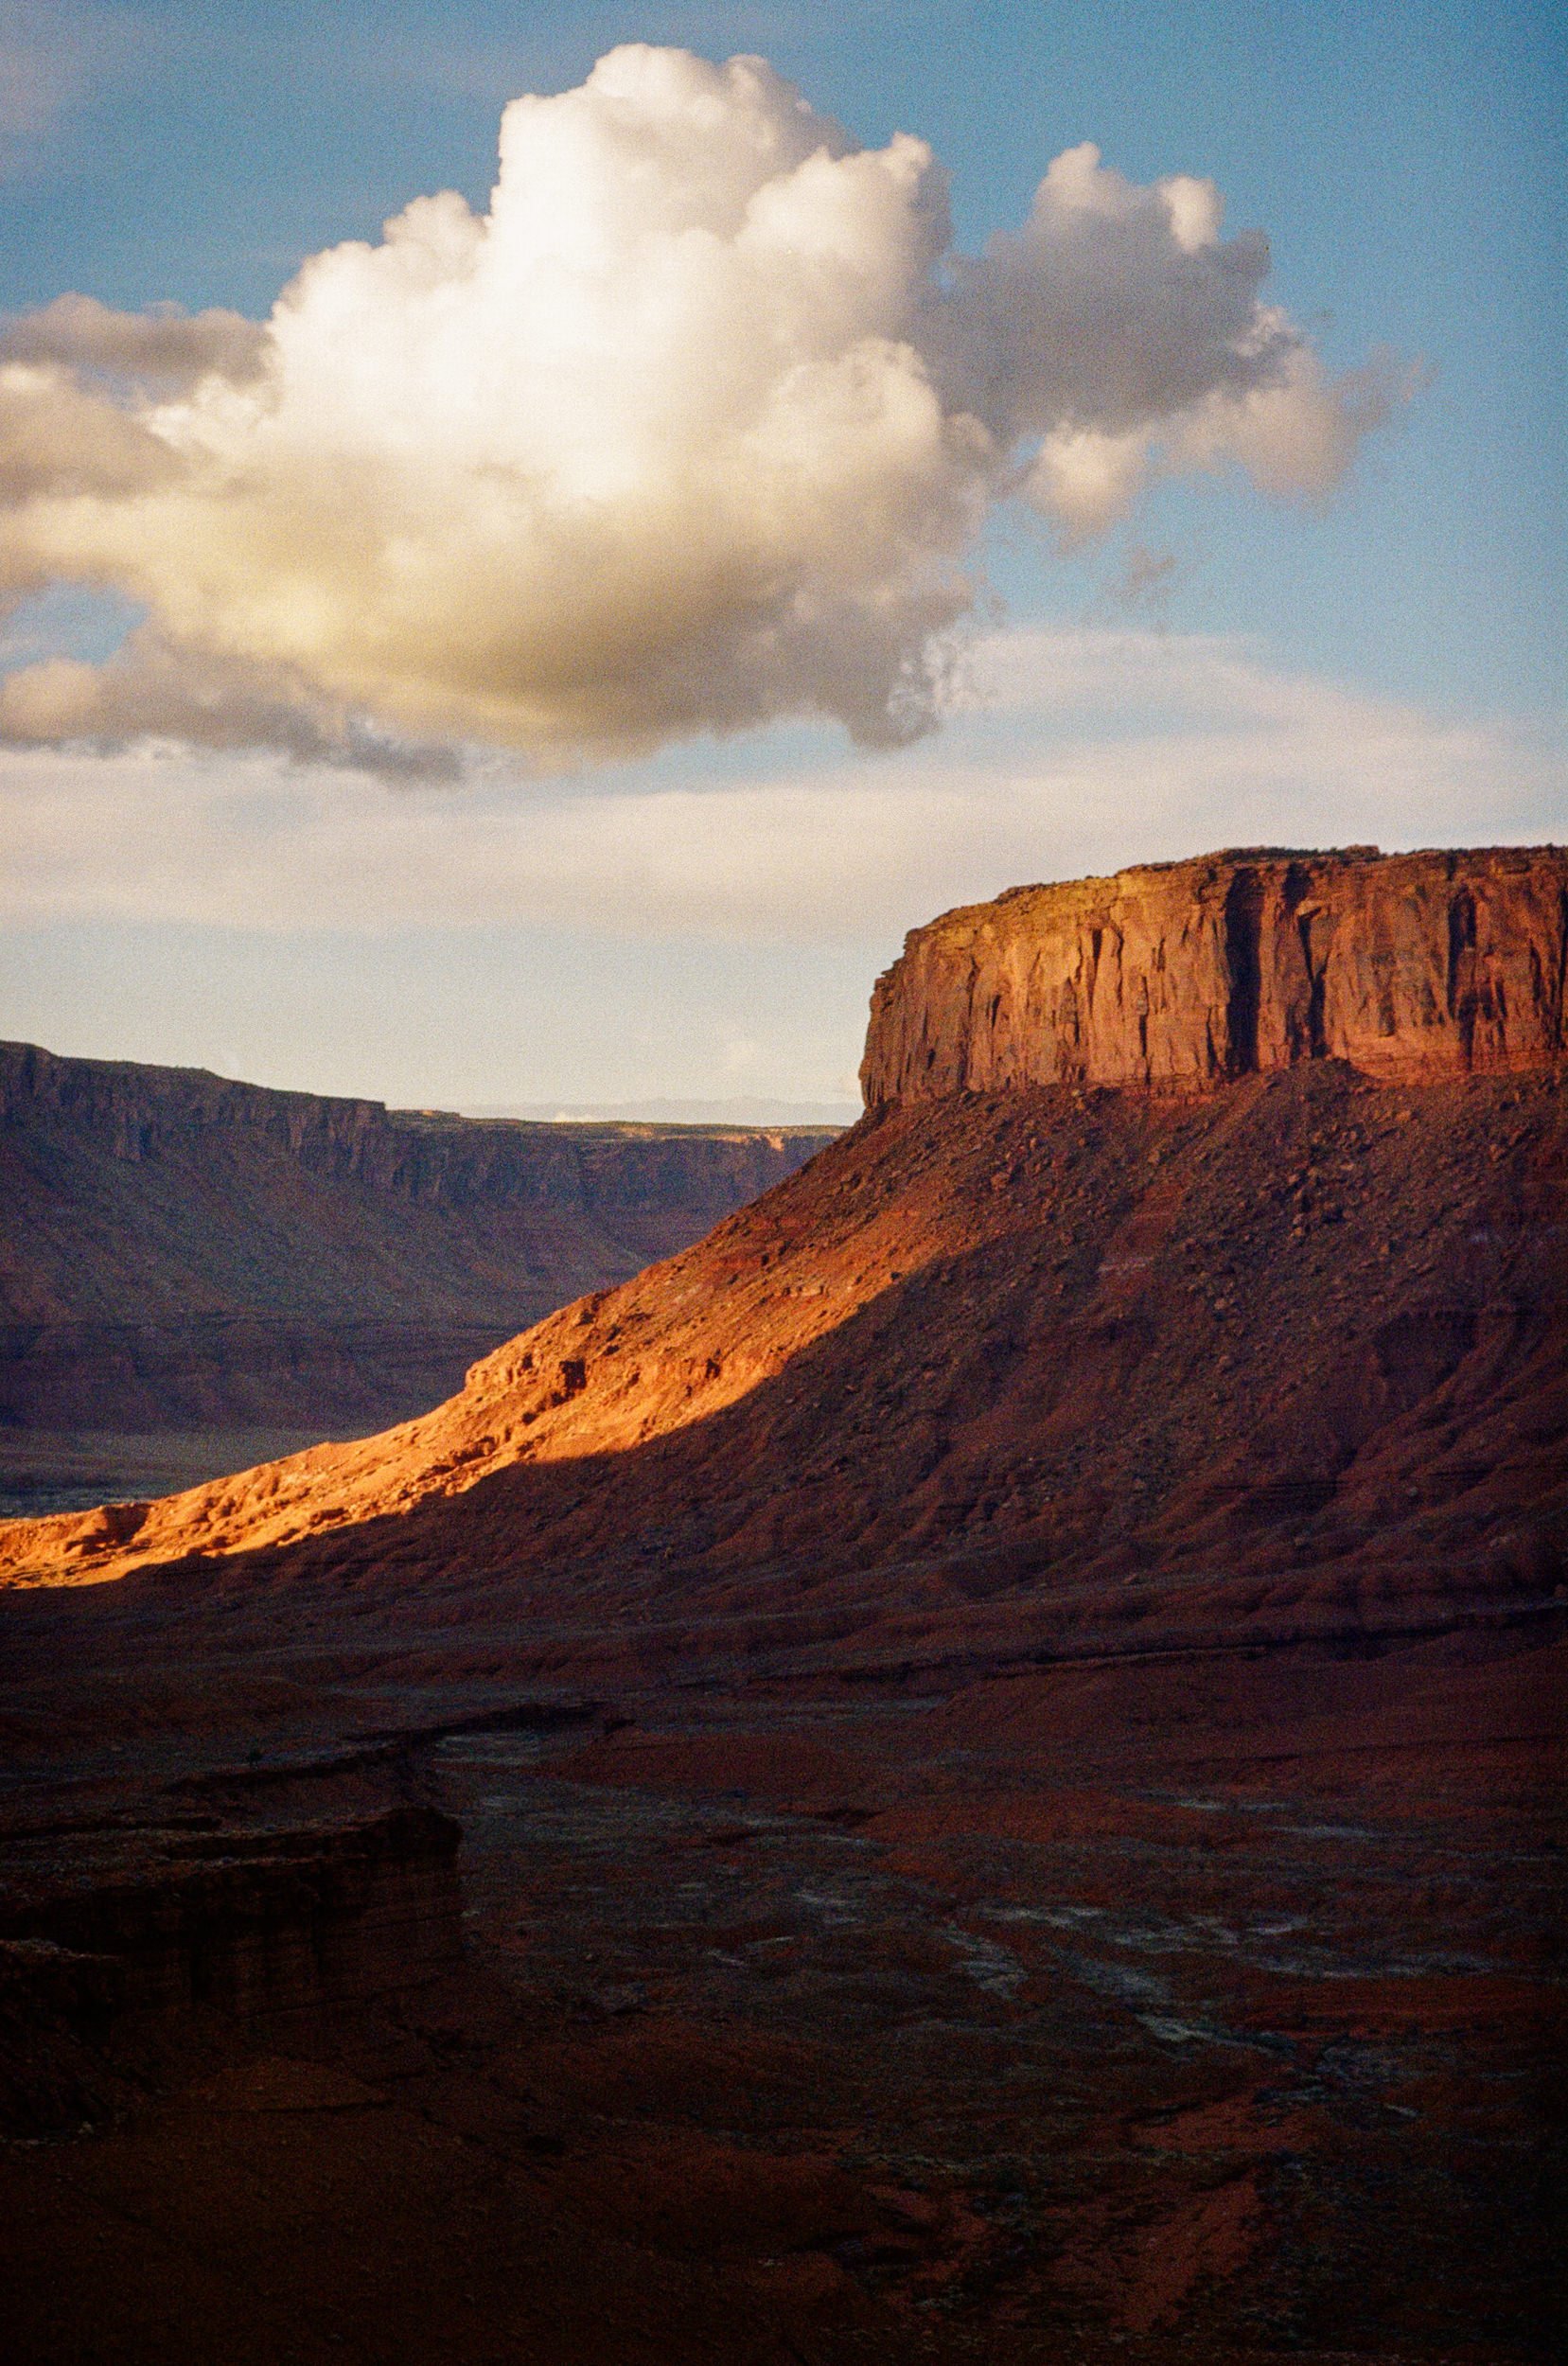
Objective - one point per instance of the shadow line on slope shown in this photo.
(1024, 1449)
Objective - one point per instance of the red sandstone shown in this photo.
(1182, 975)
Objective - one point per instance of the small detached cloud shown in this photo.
(53, 53)
(694, 429)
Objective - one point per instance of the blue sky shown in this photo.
(1407, 165)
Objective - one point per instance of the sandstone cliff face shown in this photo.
(114, 1931)
(1058, 1607)
(139, 1115)
(1179, 977)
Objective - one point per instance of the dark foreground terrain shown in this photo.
(969, 1769)
(1186, 2009)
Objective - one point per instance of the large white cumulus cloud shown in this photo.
(695, 427)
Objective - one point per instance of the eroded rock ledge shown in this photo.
(117, 1934)
(1179, 977)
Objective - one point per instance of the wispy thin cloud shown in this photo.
(54, 55)
(1065, 752)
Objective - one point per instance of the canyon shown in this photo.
(1003, 1711)
(197, 1272)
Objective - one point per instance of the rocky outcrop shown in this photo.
(1180, 977)
(124, 1926)
(1223, 1257)
(183, 1251)
(1051, 1624)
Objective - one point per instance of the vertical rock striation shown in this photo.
(1180, 977)
(115, 1932)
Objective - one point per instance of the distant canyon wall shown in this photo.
(1180, 977)
(179, 1250)
(433, 1157)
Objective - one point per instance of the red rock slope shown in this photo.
(1306, 1325)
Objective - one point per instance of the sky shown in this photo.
(556, 653)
